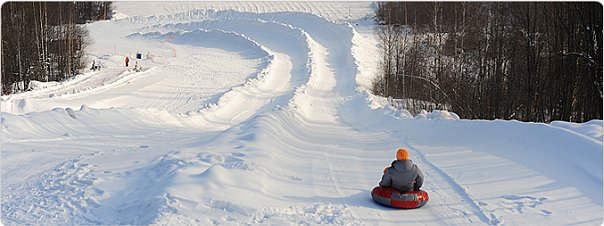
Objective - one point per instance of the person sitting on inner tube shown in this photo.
(403, 175)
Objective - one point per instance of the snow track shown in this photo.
(457, 188)
(258, 113)
(62, 190)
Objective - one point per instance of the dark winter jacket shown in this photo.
(403, 176)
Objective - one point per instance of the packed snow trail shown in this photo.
(262, 117)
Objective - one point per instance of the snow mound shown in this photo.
(37, 85)
(591, 129)
(119, 15)
(442, 115)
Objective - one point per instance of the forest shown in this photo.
(45, 41)
(530, 61)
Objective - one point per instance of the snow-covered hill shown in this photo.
(258, 113)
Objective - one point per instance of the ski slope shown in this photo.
(259, 113)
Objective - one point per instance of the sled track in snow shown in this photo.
(490, 219)
(255, 86)
(261, 29)
(332, 11)
(322, 68)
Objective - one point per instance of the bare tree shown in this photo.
(44, 41)
(534, 61)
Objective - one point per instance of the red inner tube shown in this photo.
(394, 198)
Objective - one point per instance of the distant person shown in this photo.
(403, 175)
(127, 60)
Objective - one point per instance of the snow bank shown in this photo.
(89, 121)
(37, 85)
(210, 39)
(444, 115)
(591, 129)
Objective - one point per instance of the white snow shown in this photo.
(259, 113)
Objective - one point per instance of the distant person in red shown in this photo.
(127, 60)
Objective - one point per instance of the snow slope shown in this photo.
(258, 113)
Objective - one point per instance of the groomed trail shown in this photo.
(259, 113)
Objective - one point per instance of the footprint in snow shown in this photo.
(238, 154)
(294, 178)
(521, 204)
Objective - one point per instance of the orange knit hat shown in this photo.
(402, 154)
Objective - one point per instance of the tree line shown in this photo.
(531, 61)
(45, 41)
